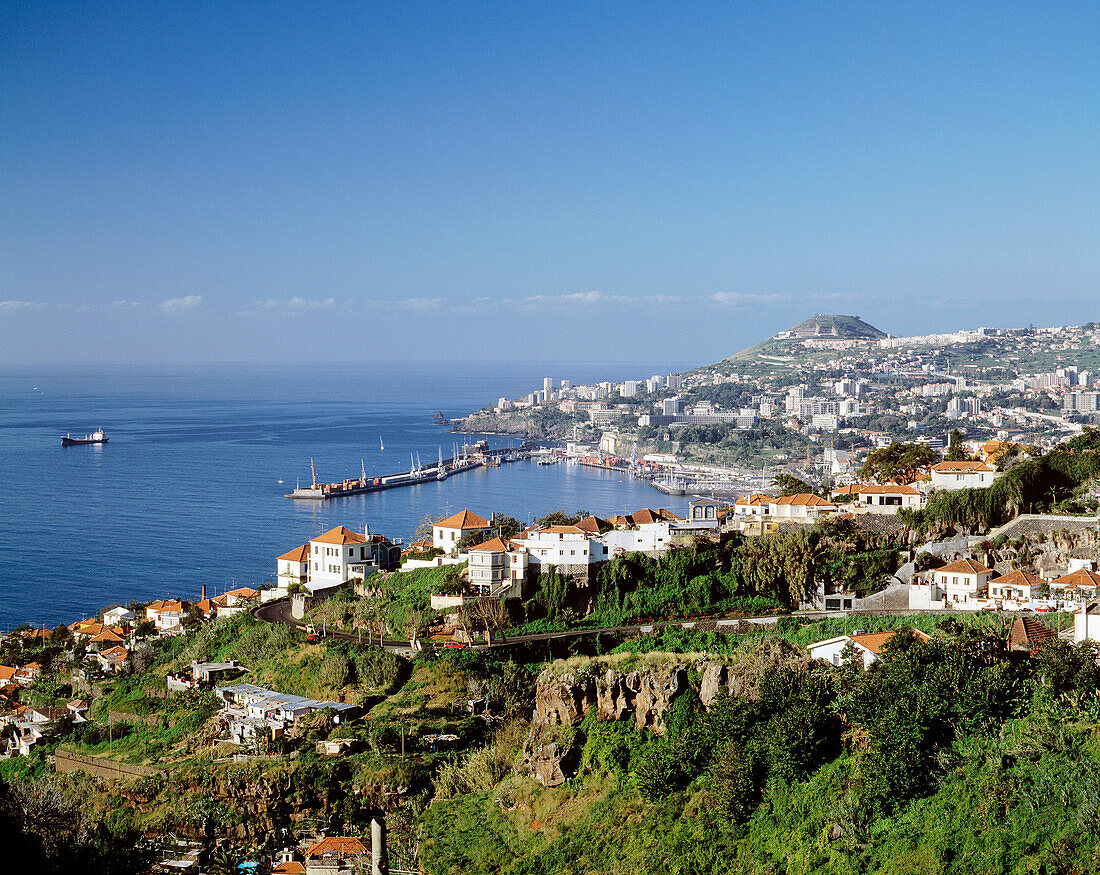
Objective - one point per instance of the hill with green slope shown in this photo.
(822, 326)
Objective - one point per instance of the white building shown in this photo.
(253, 710)
(880, 498)
(118, 616)
(564, 547)
(1017, 587)
(867, 646)
(448, 532)
(805, 506)
(961, 585)
(497, 569)
(293, 567)
(962, 475)
(1086, 624)
(332, 557)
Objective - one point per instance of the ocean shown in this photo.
(189, 489)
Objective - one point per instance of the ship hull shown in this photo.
(73, 442)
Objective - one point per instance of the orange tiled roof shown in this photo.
(961, 467)
(337, 846)
(754, 499)
(7, 672)
(291, 868)
(802, 499)
(164, 606)
(964, 566)
(298, 554)
(1028, 634)
(591, 524)
(493, 545)
(112, 636)
(1082, 577)
(464, 519)
(875, 489)
(340, 535)
(875, 641)
(120, 653)
(1017, 577)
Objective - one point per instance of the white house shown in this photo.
(1076, 585)
(167, 615)
(960, 585)
(293, 567)
(114, 659)
(570, 549)
(118, 616)
(866, 646)
(497, 569)
(962, 475)
(448, 532)
(880, 498)
(1016, 586)
(331, 557)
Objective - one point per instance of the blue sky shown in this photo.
(251, 181)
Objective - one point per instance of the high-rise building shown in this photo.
(674, 382)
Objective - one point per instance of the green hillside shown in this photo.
(825, 326)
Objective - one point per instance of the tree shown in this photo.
(956, 452)
(788, 484)
(423, 530)
(561, 518)
(898, 463)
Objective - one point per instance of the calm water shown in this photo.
(187, 491)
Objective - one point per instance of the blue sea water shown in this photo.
(187, 492)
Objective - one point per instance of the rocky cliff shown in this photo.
(643, 695)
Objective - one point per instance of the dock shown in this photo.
(441, 470)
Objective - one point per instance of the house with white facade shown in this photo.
(962, 475)
(167, 615)
(803, 507)
(336, 557)
(497, 569)
(292, 568)
(961, 585)
(117, 616)
(1016, 588)
(867, 646)
(446, 533)
(1075, 586)
(569, 549)
(703, 515)
(879, 497)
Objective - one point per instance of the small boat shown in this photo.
(96, 437)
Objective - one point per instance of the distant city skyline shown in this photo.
(529, 182)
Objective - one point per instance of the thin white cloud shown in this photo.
(742, 298)
(18, 306)
(417, 304)
(187, 302)
(295, 303)
(123, 304)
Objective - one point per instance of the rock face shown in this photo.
(644, 693)
(550, 764)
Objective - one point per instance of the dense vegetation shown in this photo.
(951, 756)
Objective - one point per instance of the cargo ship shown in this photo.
(96, 437)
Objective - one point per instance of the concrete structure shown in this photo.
(292, 569)
(962, 475)
(446, 533)
(1086, 624)
(702, 515)
(880, 498)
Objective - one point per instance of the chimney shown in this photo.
(366, 530)
(204, 592)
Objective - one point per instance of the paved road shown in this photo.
(279, 612)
